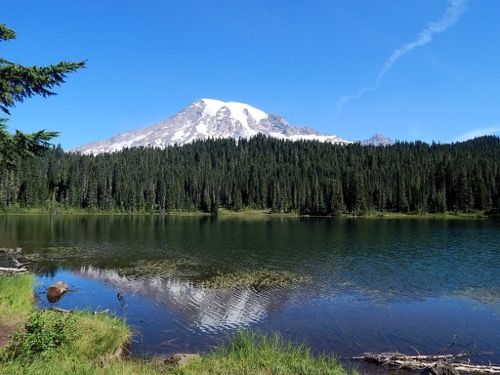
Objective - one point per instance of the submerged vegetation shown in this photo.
(252, 279)
(162, 268)
(263, 174)
(168, 268)
(60, 254)
(85, 343)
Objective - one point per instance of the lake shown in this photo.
(373, 285)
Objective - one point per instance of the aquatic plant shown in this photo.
(252, 279)
(162, 268)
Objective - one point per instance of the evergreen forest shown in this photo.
(305, 177)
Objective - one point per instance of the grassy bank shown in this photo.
(250, 213)
(16, 302)
(441, 215)
(254, 354)
(49, 342)
(16, 296)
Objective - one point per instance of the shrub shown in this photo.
(42, 333)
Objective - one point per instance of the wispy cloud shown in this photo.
(451, 16)
(477, 133)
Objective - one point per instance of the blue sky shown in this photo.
(409, 69)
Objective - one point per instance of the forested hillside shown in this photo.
(264, 173)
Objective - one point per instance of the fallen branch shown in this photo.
(426, 362)
(100, 312)
(18, 264)
(384, 357)
(8, 270)
(480, 369)
(60, 310)
(19, 267)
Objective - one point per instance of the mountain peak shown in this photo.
(238, 111)
(204, 119)
(378, 140)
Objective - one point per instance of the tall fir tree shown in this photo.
(18, 82)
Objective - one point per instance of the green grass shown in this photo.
(415, 215)
(75, 366)
(16, 296)
(245, 213)
(78, 341)
(16, 302)
(253, 354)
(102, 336)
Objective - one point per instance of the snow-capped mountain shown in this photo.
(208, 118)
(377, 140)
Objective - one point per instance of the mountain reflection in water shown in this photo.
(205, 309)
(376, 285)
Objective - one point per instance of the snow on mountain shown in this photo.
(205, 309)
(377, 140)
(208, 118)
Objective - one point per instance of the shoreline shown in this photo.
(82, 341)
(254, 213)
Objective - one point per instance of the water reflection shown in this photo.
(377, 285)
(345, 323)
(205, 309)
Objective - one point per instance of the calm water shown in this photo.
(377, 285)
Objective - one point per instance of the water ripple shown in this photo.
(376, 284)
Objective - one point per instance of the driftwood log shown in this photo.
(56, 291)
(19, 267)
(18, 264)
(8, 270)
(181, 359)
(433, 364)
(59, 310)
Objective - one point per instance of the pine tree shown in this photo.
(18, 82)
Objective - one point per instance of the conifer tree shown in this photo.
(18, 82)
